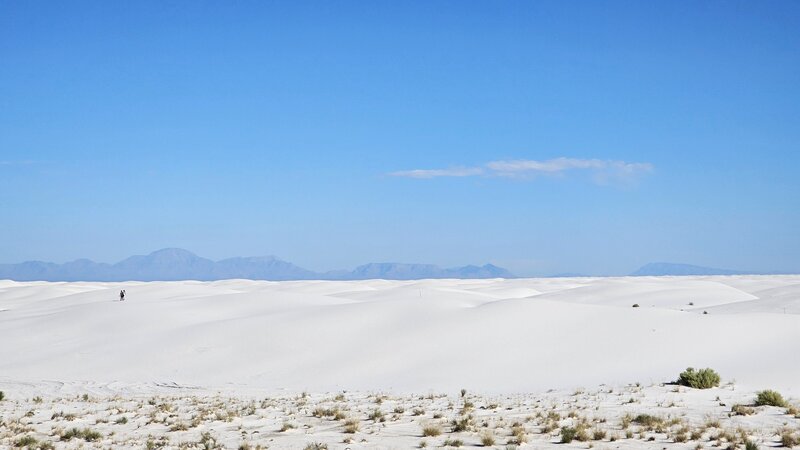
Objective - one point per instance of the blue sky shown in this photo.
(588, 137)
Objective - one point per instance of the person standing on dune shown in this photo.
(122, 295)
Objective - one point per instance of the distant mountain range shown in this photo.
(663, 269)
(172, 264)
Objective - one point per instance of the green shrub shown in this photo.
(2, 396)
(750, 445)
(568, 434)
(699, 379)
(770, 398)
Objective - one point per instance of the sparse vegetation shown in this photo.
(487, 439)
(699, 379)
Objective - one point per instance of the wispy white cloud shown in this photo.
(18, 163)
(602, 171)
(434, 173)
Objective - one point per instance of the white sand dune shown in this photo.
(404, 336)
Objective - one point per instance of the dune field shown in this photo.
(232, 363)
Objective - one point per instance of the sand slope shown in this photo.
(485, 335)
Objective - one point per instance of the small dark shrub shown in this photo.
(568, 434)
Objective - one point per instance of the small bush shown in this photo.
(2, 396)
(568, 434)
(699, 379)
(431, 431)
(487, 439)
(750, 445)
(770, 398)
(453, 443)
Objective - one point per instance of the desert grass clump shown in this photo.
(286, 426)
(598, 434)
(462, 424)
(431, 431)
(26, 441)
(377, 415)
(518, 433)
(699, 379)
(487, 439)
(316, 446)
(453, 443)
(648, 421)
(351, 426)
(788, 438)
(770, 398)
(750, 445)
(742, 410)
(86, 434)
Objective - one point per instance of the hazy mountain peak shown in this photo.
(178, 264)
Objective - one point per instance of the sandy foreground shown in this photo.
(370, 364)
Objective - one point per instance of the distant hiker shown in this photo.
(122, 295)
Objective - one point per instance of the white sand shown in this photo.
(505, 336)
(229, 358)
